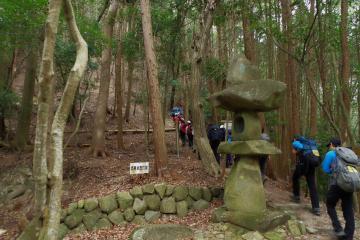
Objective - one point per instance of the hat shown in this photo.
(334, 141)
(297, 136)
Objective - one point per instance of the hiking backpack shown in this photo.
(345, 172)
(215, 133)
(310, 151)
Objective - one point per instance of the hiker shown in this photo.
(182, 132)
(190, 133)
(263, 158)
(304, 150)
(335, 192)
(215, 136)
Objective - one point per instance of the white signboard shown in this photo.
(139, 167)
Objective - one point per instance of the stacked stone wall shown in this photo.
(140, 205)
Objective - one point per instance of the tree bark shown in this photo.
(320, 58)
(130, 72)
(345, 70)
(46, 79)
(290, 74)
(249, 41)
(24, 119)
(199, 44)
(160, 161)
(52, 218)
(98, 144)
(118, 87)
(311, 76)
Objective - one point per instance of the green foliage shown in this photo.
(8, 102)
(131, 46)
(21, 22)
(214, 70)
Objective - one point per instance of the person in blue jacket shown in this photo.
(302, 168)
(335, 193)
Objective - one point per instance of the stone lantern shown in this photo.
(246, 95)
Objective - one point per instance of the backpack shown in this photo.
(310, 151)
(215, 133)
(346, 175)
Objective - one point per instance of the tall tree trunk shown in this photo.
(358, 75)
(24, 119)
(290, 74)
(46, 79)
(311, 76)
(118, 89)
(52, 218)
(199, 44)
(320, 58)
(130, 72)
(284, 162)
(98, 143)
(165, 95)
(249, 41)
(155, 105)
(345, 71)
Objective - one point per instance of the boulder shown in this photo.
(168, 205)
(90, 219)
(190, 202)
(129, 214)
(16, 191)
(195, 193)
(63, 230)
(169, 190)
(102, 223)
(252, 236)
(200, 205)
(182, 208)
(160, 189)
(108, 203)
(206, 194)
(136, 192)
(148, 188)
(81, 203)
(74, 218)
(151, 216)
(293, 228)
(117, 218)
(274, 235)
(217, 215)
(125, 200)
(311, 230)
(139, 206)
(79, 229)
(90, 204)
(302, 227)
(162, 232)
(139, 220)
(180, 193)
(70, 209)
(152, 201)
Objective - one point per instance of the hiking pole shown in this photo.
(177, 138)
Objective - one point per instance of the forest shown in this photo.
(106, 108)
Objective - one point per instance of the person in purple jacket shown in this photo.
(335, 193)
